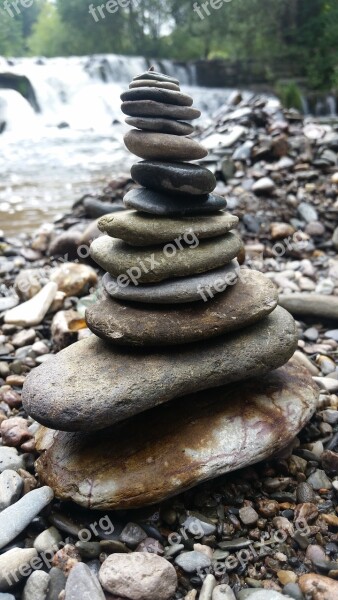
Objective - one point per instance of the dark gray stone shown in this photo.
(174, 177)
(57, 583)
(156, 203)
(157, 94)
(150, 108)
(160, 125)
(83, 585)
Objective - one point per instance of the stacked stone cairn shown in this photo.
(184, 377)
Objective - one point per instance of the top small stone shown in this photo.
(157, 76)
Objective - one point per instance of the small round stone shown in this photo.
(174, 177)
(150, 108)
(164, 205)
(158, 95)
(154, 75)
(142, 229)
(154, 83)
(160, 125)
(162, 146)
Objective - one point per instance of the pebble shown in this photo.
(174, 177)
(305, 493)
(47, 540)
(193, 561)
(319, 480)
(151, 108)
(83, 585)
(164, 205)
(318, 586)
(163, 146)
(312, 304)
(15, 518)
(254, 594)
(11, 485)
(208, 586)
(158, 95)
(10, 459)
(154, 75)
(138, 576)
(74, 279)
(37, 586)
(133, 535)
(33, 311)
(12, 563)
(223, 592)
(293, 590)
(265, 185)
(248, 515)
(154, 83)
(57, 583)
(23, 338)
(161, 125)
(307, 212)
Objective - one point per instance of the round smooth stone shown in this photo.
(158, 95)
(175, 291)
(150, 108)
(190, 440)
(174, 177)
(161, 125)
(170, 206)
(162, 146)
(251, 299)
(154, 263)
(154, 83)
(141, 229)
(154, 75)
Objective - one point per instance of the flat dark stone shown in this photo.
(174, 177)
(157, 76)
(156, 203)
(157, 94)
(160, 125)
(166, 85)
(150, 108)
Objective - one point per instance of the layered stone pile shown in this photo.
(179, 318)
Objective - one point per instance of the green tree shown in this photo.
(11, 39)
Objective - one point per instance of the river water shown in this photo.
(74, 144)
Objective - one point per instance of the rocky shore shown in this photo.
(266, 531)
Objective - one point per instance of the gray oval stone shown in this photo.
(162, 146)
(12, 563)
(175, 291)
(156, 263)
(119, 383)
(232, 426)
(174, 177)
(166, 85)
(161, 125)
(11, 485)
(141, 229)
(164, 205)
(36, 586)
(252, 298)
(151, 75)
(157, 94)
(150, 108)
(83, 585)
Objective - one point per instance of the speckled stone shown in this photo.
(150, 108)
(175, 291)
(232, 426)
(174, 177)
(162, 146)
(157, 263)
(119, 383)
(164, 205)
(252, 298)
(160, 125)
(158, 95)
(141, 229)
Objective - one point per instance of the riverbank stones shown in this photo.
(174, 177)
(140, 229)
(164, 205)
(160, 125)
(162, 146)
(154, 263)
(248, 301)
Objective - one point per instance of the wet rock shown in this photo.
(174, 177)
(132, 535)
(164, 205)
(319, 480)
(33, 311)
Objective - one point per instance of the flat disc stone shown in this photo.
(175, 291)
(92, 384)
(174, 177)
(166, 205)
(142, 229)
(154, 263)
(154, 83)
(252, 298)
(161, 125)
(157, 76)
(157, 94)
(162, 146)
(150, 108)
(186, 442)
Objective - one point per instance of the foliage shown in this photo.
(290, 95)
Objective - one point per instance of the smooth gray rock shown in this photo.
(155, 203)
(233, 426)
(252, 298)
(157, 263)
(166, 85)
(83, 585)
(193, 561)
(208, 586)
(174, 177)
(157, 94)
(10, 459)
(12, 564)
(176, 291)
(11, 485)
(255, 594)
(163, 146)
(154, 75)
(120, 383)
(161, 125)
(57, 583)
(6, 597)
(223, 592)
(15, 518)
(47, 540)
(314, 305)
(150, 108)
(141, 229)
(36, 586)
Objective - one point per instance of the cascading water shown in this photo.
(71, 142)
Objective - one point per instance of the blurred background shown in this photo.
(64, 64)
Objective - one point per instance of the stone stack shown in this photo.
(178, 317)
